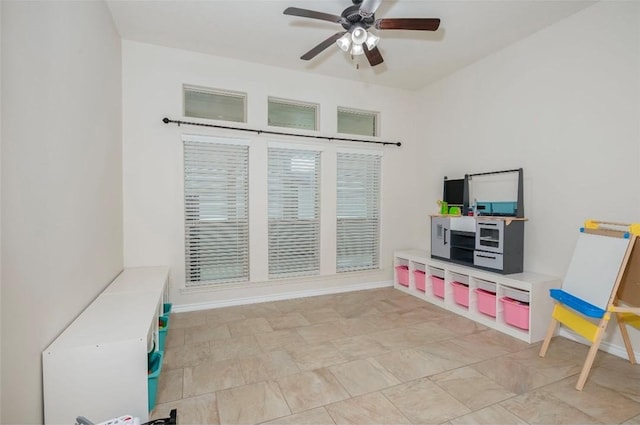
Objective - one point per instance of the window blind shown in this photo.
(358, 211)
(357, 122)
(292, 114)
(216, 190)
(214, 105)
(294, 212)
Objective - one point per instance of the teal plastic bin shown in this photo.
(155, 366)
(166, 308)
(163, 327)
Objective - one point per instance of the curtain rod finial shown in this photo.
(165, 120)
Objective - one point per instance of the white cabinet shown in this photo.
(97, 367)
(524, 313)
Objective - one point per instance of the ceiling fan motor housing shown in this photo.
(352, 16)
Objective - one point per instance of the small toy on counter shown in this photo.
(454, 211)
(444, 207)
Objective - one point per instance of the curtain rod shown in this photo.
(279, 133)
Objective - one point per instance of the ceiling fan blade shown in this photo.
(374, 56)
(369, 7)
(416, 24)
(306, 13)
(320, 47)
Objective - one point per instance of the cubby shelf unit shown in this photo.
(98, 366)
(530, 286)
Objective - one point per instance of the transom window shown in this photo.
(291, 114)
(200, 102)
(353, 121)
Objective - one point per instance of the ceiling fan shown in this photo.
(356, 20)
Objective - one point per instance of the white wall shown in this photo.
(564, 104)
(153, 194)
(61, 181)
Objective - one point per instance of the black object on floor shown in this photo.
(171, 420)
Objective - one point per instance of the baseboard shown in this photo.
(607, 347)
(281, 296)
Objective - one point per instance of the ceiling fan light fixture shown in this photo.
(344, 42)
(372, 41)
(357, 50)
(359, 36)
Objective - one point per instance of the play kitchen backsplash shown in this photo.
(499, 209)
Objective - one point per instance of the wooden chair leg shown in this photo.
(547, 340)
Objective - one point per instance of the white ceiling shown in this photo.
(258, 31)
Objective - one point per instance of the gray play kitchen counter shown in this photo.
(488, 242)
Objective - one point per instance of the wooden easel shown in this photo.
(603, 279)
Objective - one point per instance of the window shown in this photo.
(294, 212)
(284, 113)
(216, 190)
(358, 211)
(363, 123)
(214, 104)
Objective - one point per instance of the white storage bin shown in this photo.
(433, 271)
(516, 294)
(457, 277)
(486, 285)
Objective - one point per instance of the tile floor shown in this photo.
(378, 357)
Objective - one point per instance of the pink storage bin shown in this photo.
(460, 293)
(486, 302)
(419, 277)
(516, 313)
(403, 275)
(438, 286)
